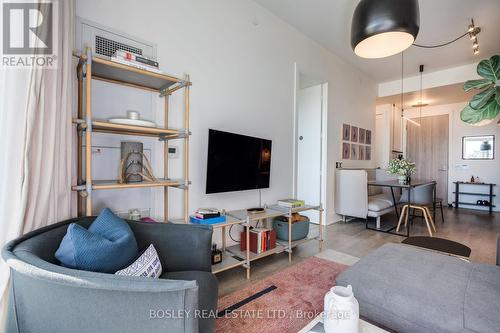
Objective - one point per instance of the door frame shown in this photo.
(324, 139)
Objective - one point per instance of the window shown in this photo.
(478, 147)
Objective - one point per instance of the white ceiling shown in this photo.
(329, 23)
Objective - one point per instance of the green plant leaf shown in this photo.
(482, 98)
(490, 68)
(477, 84)
(497, 97)
(488, 112)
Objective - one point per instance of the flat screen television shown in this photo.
(237, 162)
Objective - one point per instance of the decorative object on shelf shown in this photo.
(484, 107)
(338, 165)
(216, 255)
(207, 213)
(401, 168)
(472, 179)
(134, 165)
(134, 214)
(341, 312)
(291, 203)
(255, 210)
(381, 28)
(261, 240)
(478, 147)
(133, 118)
(346, 151)
(210, 220)
(346, 132)
(300, 227)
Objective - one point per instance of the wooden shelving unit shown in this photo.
(90, 68)
(233, 256)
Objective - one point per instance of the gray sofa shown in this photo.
(46, 297)
(408, 289)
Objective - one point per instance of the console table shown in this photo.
(458, 192)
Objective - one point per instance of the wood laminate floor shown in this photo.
(476, 229)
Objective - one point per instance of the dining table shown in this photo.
(396, 185)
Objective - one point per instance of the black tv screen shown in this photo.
(237, 162)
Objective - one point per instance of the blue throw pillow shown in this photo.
(107, 246)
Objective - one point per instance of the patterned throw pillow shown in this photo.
(147, 264)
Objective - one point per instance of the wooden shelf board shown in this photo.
(235, 249)
(228, 262)
(100, 125)
(114, 72)
(113, 184)
(285, 210)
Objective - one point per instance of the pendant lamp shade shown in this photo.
(381, 28)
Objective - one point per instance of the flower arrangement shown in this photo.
(402, 168)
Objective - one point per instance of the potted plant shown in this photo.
(484, 107)
(402, 168)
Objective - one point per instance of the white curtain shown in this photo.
(36, 147)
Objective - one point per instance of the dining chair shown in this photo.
(421, 197)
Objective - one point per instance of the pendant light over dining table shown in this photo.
(381, 28)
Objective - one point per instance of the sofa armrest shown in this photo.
(181, 247)
(108, 302)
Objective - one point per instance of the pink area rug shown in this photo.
(283, 302)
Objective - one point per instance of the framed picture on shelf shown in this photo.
(354, 134)
(362, 133)
(361, 155)
(346, 132)
(368, 137)
(354, 152)
(346, 150)
(368, 153)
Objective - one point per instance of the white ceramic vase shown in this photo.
(402, 179)
(341, 311)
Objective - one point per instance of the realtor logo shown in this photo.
(28, 37)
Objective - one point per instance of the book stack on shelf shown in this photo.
(261, 240)
(291, 203)
(135, 60)
(207, 216)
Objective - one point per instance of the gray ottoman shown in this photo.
(408, 289)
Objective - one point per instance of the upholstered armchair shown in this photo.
(46, 297)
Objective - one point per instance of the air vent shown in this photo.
(104, 41)
(108, 47)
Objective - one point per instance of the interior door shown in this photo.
(309, 112)
(427, 146)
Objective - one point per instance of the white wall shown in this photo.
(488, 171)
(435, 79)
(241, 61)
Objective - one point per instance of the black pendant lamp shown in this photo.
(381, 28)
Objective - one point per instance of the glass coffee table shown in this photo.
(316, 326)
